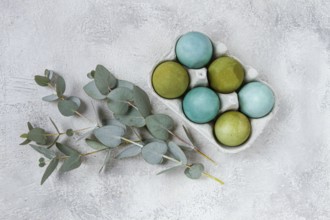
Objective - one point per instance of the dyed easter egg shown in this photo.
(232, 128)
(170, 80)
(201, 105)
(194, 50)
(225, 74)
(256, 99)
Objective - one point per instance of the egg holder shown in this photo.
(198, 78)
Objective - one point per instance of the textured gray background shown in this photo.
(285, 175)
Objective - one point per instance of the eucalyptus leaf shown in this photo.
(124, 83)
(27, 141)
(169, 169)
(92, 91)
(159, 125)
(131, 118)
(104, 80)
(188, 134)
(130, 151)
(110, 135)
(41, 80)
(67, 150)
(153, 152)
(195, 171)
(44, 151)
(95, 144)
(37, 135)
(118, 100)
(141, 101)
(177, 152)
(67, 107)
(60, 86)
(73, 162)
(24, 136)
(29, 126)
(50, 98)
(113, 122)
(75, 100)
(91, 74)
(58, 131)
(69, 132)
(106, 161)
(49, 74)
(49, 170)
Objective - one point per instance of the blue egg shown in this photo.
(201, 105)
(256, 99)
(194, 50)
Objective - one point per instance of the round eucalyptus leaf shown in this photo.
(195, 171)
(117, 107)
(67, 107)
(38, 135)
(159, 125)
(113, 122)
(153, 152)
(69, 132)
(141, 101)
(131, 118)
(124, 83)
(93, 92)
(75, 100)
(177, 152)
(50, 98)
(41, 80)
(60, 86)
(130, 151)
(118, 100)
(110, 135)
(104, 80)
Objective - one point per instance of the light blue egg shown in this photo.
(194, 50)
(256, 99)
(201, 105)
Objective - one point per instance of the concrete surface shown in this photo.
(285, 175)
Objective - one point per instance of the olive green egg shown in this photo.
(232, 128)
(170, 80)
(225, 75)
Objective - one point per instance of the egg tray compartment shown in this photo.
(198, 78)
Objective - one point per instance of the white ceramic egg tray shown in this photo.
(198, 77)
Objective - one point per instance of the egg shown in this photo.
(256, 99)
(225, 75)
(194, 50)
(232, 128)
(170, 80)
(201, 105)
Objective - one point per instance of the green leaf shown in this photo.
(106, 161)
(109, 135)
(113, 122)
(93, 92)
(49, 74)
(73, 162)
(130, 151)
(141, 101)
(75, 100)
(67, 150)
(41, 80)
(91, 74)
(124, 83)
(169, 169)
(51, 120)
(153, 152)
(188, 134)
(195, 171)
(131, 118)
(25, 142)
(37, 135)
(118, 100)
(29, 126)
(159, 125)
(42, 164)
(104, 80)
(49, 170)
(41, 159)
(69, 132)
(50, 98)
(177, 152)
(44, 151)
(67, 107)
(60, 86)
(95, 144)
(24, 136)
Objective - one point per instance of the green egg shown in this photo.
(170, 80)
(232, 128)
(225, 75)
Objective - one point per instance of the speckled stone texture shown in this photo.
(285, 175)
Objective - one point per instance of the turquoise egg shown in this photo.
(194, 50)
(256, 99)
(201, 105)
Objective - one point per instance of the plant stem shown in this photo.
(94, 152)
(171, 159)
(213, 177)
(83, 116)
(132, 142)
